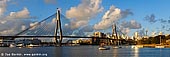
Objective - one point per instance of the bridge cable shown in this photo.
(34, 25)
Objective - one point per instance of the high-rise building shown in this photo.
(98, 35)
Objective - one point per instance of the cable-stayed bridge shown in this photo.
(50, 27)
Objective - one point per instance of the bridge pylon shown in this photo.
(58, 28)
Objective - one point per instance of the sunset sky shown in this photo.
(89, 15)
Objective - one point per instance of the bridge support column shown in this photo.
(58, 26)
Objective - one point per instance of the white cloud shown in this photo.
(78, 24)
(111, 16)
(125, 30)
(23, 27)
(23, 14)
(15, 22)
(12, 27)
(32, 24)
(6, 32)
(126, 26)
(3, 5)
(54, 20)
(131, 24)
(81, 14)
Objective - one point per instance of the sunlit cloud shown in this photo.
(81, 14)
(23, 14)
(15, 22)
(111, 16)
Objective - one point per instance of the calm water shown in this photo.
(83, 51)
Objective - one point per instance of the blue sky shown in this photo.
(140, 9)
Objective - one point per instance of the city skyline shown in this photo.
(88, 15)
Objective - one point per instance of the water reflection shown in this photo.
(115, 52)
(90, 51)
(136, 52)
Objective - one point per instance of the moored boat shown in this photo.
(12, 45)
(117, 47)
(20, 45)
(104, 48)
(31, 45)
(160, 46)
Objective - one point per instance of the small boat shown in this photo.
(117, 47)
(12, 45)
(104, 48)
(137, 46)
(159, 46)
(20, 45)
(31, 45)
